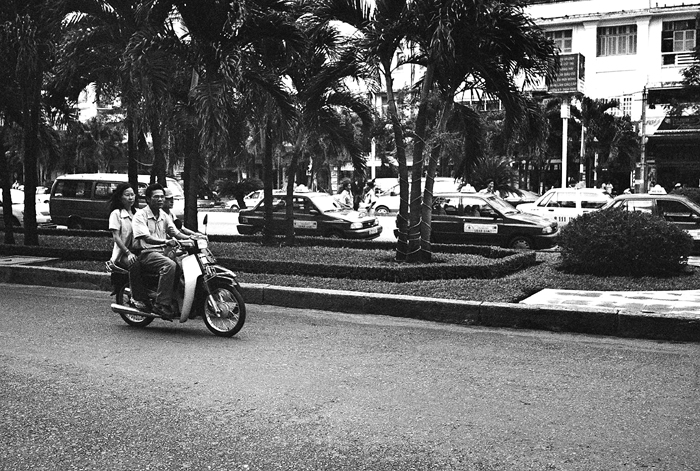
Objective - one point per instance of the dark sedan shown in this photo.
(315, 214)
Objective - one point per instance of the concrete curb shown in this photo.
(585, 320)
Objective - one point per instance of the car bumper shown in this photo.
(545, 241)
(366, 233)
(245, 229)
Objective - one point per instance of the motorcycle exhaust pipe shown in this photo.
(120, 309)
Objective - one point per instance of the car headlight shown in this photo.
(356, 225)
(547, 230)
(243, 220)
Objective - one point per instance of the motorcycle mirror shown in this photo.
(205, 222)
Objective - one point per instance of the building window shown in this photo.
(617, 40)
(678, 39)
(562, 39)
(626, 105)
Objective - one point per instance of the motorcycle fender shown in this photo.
(190, 271)
(226, 276)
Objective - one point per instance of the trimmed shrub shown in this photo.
(620, 242)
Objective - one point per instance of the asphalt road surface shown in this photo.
(312, 390)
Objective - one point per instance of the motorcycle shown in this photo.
(205, 290)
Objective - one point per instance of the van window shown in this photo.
(73, 189)
(103, 190)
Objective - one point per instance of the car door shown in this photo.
(679, 214)
(306, 217)
(479, 223)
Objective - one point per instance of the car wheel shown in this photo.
(234, 208)
(521, 243)
(381, 211)
(334, 234)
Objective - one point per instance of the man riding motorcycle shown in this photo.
(151, 227)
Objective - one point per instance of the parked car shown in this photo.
(80, 201)
(316, 214)
(250, 200)
(485, 219)
(516, 199)
(676, 209)
(564, 204)
(208, 201)
(388, 201)
(43, 215)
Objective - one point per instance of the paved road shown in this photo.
(316, 390)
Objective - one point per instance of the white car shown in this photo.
(251, 199)
(563, 204)
(43, 215)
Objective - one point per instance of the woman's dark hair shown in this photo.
(115, 201)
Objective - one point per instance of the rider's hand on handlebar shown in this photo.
(172, 243)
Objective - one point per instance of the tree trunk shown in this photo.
(159, 163)
(191, 176)
(31, 150)
(6, 182)
(427, 209)
(268, 182)
(132, 162)
(289, 210)
(402, 217)
(415, 254)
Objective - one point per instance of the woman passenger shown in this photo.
(121, 207)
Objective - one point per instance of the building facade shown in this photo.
(635, 52)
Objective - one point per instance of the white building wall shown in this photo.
(612, 77)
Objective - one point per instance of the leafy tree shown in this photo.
(322, 96)
(485, 45)
(29, 31)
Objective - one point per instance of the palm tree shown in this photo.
(380, 35)
(469, 44)
(29, 31)
(319, 78)
(99, 32)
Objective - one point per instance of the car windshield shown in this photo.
(501, 205)
(325, 203)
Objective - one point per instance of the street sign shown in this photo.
(572, 74)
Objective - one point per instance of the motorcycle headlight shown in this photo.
(202, 243)
(356, 225)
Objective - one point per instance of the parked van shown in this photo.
(80, 201)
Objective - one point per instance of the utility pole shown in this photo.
(642, 156)
(565, 113)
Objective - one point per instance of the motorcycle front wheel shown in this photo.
(231, 312)
(124, 298)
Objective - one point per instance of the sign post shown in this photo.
(569, 82)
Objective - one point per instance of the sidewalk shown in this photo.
(673, 315)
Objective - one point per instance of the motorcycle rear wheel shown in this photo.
(124, 298)
(232, 307)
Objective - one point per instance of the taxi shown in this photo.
(564, 204)
(315, 214)
(674, 208)
(486, 219)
